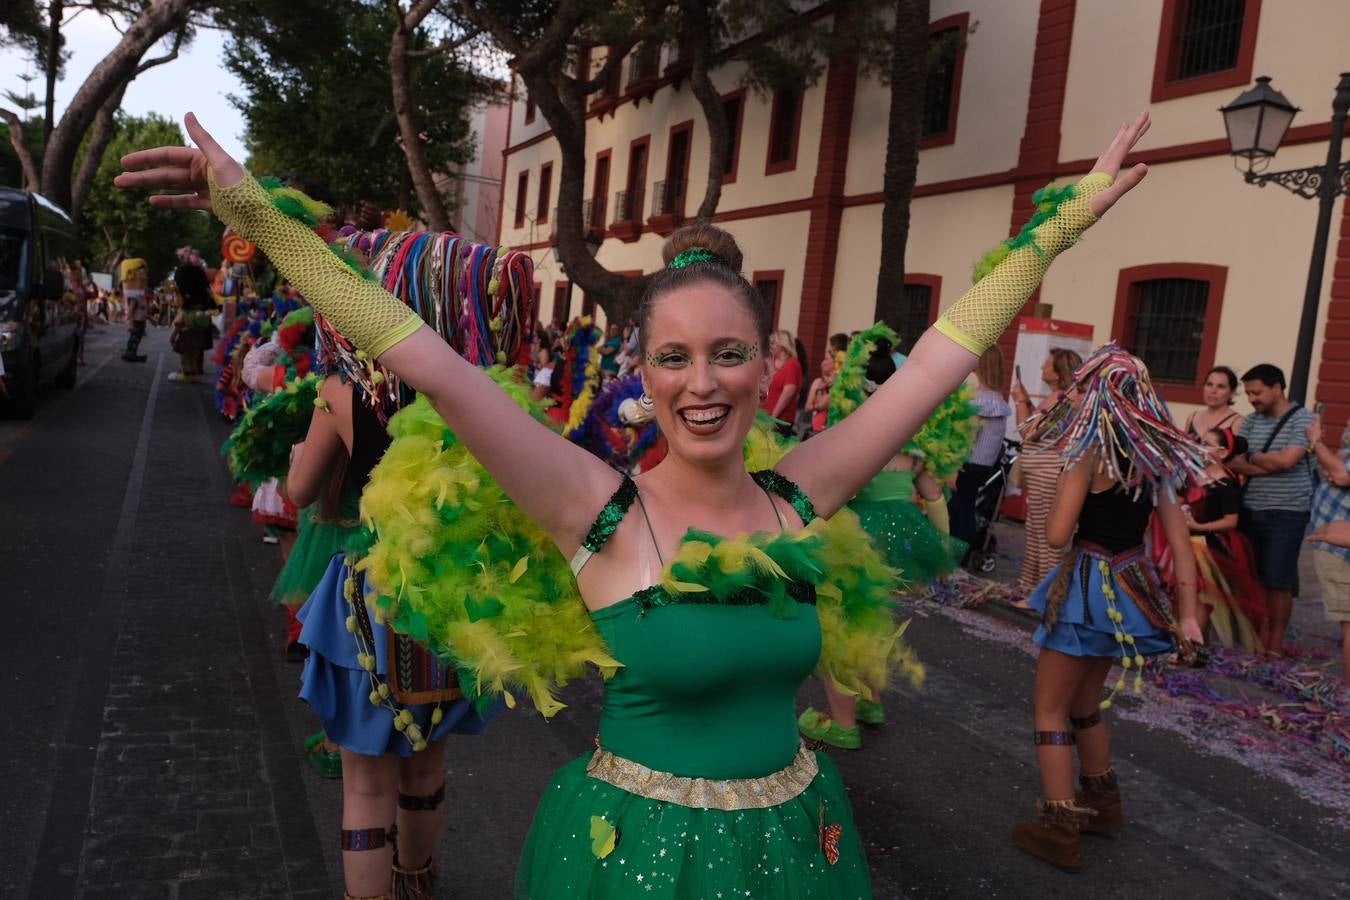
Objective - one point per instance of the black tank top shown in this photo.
(1114, 519)
(369, 441)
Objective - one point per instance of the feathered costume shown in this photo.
(378, 691)
(700, 783)
(886, 505)
(604, 432)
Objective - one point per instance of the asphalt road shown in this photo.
(155, 734)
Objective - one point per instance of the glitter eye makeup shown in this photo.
(735, 354)
(667, 359)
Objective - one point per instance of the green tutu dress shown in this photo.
(700, 786)
(317, 539)
(901, 531)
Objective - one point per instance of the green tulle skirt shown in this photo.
(316, 541)
(908, 541)
(674, 852)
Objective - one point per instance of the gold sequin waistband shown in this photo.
(706, 793)
(341, 523)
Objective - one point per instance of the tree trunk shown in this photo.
(158, 18)
(909, 72)
(16, 138)
(697, 33)
(55, 13)
(433, 205)
(104, 130)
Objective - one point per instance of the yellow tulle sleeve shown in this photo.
(366, 314)
(982, 314)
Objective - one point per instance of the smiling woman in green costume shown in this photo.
(700, 784)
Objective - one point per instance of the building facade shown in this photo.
(477, 185)
(1197, 269)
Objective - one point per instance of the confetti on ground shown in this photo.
(1288, 720)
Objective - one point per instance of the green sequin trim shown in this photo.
(771, 481)
(657, 596)
(696, 255)
(610, 517)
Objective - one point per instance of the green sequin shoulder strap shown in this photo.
(774, 483)
(610, 516)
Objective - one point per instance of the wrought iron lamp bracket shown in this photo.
(1308, 183)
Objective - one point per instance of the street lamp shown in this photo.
(1256, 123)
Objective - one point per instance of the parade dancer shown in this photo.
(1124, 461)
(916, 543)
(700, 783)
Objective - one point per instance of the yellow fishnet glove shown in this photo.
(983, 312)
(367, 315)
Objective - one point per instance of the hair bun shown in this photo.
(704, 237)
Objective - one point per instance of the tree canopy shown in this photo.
(316, 102)
(118, 223)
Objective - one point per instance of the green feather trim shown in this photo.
(259, 447)
(1047, 201)
(296, 203)
(947, 439)
(457, 565)
(849, 388)
(764, 444)
(862, 648)
(352, 261)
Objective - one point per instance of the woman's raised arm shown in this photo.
(833, 466)
(557, 483)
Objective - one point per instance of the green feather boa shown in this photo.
(259, 447)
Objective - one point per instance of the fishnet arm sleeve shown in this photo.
(366, 314)
(977, 319)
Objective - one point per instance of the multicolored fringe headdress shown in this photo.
(479, 298)
(1114, 410)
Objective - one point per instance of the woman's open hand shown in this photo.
(181, 169)
(1111, 160)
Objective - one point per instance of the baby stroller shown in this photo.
(988, 505)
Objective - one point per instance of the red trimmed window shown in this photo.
(614, 82)
(785, 121)
(588, 306)
(529, 107)
(1168, 316)
(770, 287)
(629, 206)
(545, 193)
(918, 308)
(733, 105)
(594, 213)
(670, 193)
(561, 298)
(522, 188)
(942, 90)
(1204, 45)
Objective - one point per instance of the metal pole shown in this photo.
(1328, 192)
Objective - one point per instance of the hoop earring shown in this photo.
(648, 405)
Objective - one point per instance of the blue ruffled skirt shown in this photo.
(338, 689)
(1083, 625)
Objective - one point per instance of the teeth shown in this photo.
(703, 416)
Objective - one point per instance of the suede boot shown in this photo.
(1101, 794)
(1054, 836)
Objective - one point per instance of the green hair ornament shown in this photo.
(696, 255)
